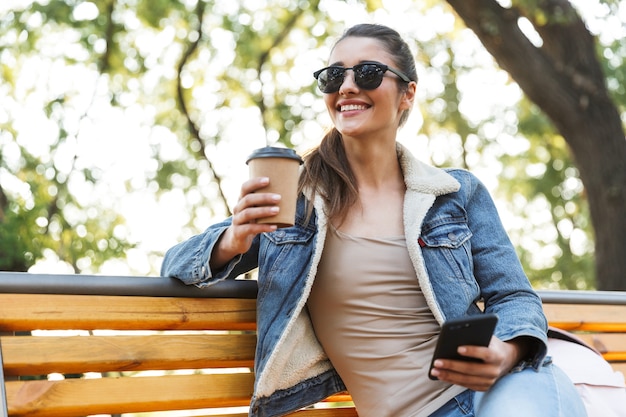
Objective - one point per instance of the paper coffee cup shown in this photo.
(281, 166)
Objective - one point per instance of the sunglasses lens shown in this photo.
(368, 76)
(330, 80)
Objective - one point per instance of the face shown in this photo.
(356, 112)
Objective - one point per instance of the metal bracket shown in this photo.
(3, 393)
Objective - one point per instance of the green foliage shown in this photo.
(615, 70)
(558, 247)
(49, 217)
(159, 13)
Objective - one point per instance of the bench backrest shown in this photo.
(597, 317)
(83, 354)
(70, 349)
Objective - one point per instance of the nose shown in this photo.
(348, 85)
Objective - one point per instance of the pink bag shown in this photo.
(601, 388)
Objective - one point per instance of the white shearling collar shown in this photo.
(424, 178)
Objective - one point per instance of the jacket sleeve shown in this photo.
(505, 288)
(189, 260)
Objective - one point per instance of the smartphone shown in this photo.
(467, 331)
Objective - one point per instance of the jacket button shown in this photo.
(452, 236)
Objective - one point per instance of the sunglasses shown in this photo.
(367, 76)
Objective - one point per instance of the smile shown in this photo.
(352, 107)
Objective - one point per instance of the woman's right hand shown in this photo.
(251, 206)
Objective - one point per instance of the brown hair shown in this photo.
(326, 169)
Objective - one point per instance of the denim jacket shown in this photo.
(458, 247)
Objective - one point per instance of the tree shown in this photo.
(563, 76)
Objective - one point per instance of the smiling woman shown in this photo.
(327, 288)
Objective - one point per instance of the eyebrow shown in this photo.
(363, 61)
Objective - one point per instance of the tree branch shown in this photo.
(4, 203)
(497, 29)
(105, 60)
(180, 95)
(265, 55)
(569, 44)
(561, 76)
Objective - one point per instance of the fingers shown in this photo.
(253, 204)
(479, 376)
(249, 214)
(252, 185)
(473, 375)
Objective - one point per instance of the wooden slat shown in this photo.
(61, 312)
(328, 412)
(223, 415)
(584, 317)
(339, 398)
(80, 397)
(74, 398)
(311, 412)
(615, 356)
(590, 326)
(40, 355)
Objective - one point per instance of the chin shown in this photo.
(350, 129)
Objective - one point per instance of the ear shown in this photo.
(408, 97)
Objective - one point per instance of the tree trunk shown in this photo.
(564, 78)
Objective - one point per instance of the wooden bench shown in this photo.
(74, 345)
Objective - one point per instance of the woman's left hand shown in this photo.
(497, 359)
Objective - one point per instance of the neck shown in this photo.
(375, 166)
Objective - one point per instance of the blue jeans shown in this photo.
(523, 392)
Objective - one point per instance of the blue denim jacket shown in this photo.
(458, 247)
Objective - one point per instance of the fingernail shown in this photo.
(275, 197)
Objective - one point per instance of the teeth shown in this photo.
(350, 107)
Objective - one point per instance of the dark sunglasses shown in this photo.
(367, 76)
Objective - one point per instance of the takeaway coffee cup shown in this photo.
(281, 166)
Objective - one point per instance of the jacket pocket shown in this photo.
(446, 248)
(446, 232)
(286, 257)
(287, 235)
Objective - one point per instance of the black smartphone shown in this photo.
(467, 331)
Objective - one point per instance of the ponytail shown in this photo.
(327, 173)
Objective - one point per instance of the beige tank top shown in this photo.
(371, 317)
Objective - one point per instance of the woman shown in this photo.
(384, 250)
